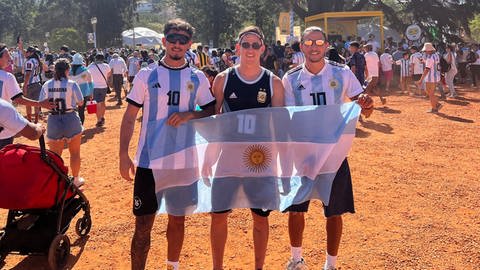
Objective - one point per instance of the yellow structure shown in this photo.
(344, 23)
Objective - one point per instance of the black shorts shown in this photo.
(341, 195)
(177, 200)
(225, 189)
(416, 77)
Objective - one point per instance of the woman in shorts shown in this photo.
(63, 123)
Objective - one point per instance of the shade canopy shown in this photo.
(144, 36)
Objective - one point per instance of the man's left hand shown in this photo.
(179, 118)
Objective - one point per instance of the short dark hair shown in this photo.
(355, 44)
(64, 48)
(414, 48)
(251, 30)
(199, 47)
(210, 71)
(99, 57)
(296, 46)
(178, 25)
(61, 67)
(314, 29)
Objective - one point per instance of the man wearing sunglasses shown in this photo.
(322, 82)
(242, 87)
(168, 92)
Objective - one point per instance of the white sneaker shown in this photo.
(329, 268)
(78, 181)
(300, 265)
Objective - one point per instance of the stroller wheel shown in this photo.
(83, 226)
(58, 252)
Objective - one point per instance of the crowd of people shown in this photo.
(251, 74)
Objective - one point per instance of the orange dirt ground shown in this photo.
(416, 185)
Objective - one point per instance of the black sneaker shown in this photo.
(101, 122)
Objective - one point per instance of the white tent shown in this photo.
(144, 36)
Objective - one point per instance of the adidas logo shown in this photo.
(157, 85)
(301, 87)
(233, 95)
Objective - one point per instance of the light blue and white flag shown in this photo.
(259, 158)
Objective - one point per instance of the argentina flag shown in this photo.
(268, 158)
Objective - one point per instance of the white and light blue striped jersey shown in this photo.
(84, 80)
(9, 88)
(65, 92)
(404, 67)
(334, 84)
(32, 65)
(298, 58)
(162, 91)
(431, 62)
(18, 59)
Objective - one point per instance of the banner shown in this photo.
(266, 158)
(284, 23)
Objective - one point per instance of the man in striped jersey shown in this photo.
(404, 64)
(431, 75)
(167, 95)
(322, 82)
(203, 59)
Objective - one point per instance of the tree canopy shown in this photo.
(218, 21)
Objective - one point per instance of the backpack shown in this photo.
(444, 65)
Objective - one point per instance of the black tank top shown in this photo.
(242, 95)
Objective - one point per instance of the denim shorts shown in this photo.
(99, 94)
(63, 126)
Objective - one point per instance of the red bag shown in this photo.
(27, 181)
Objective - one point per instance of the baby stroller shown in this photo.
(42, 201)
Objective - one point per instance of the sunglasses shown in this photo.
(174, 38)
(309, 42)
(254, 45)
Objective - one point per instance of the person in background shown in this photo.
(449, 56)
(405, 75)
(386, 62)
(64, 125)
(80, 74)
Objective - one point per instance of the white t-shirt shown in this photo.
(372, 63)
(334, 84)
(162, 91)
(9, 88)
(415, 60)
(11, 121)
(386, 60)
(98, 80)
(118, 66)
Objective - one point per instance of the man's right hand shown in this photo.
(127, 169)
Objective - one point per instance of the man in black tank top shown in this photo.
(242, 87)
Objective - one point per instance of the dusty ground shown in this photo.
(417, 194)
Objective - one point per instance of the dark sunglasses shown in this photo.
(173, 38)
(254, 45)
(309, 42)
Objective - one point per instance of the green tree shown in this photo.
(68, 36)
(475, 28)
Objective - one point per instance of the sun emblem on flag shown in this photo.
(190, 86)
(257, 158)
(333, 83)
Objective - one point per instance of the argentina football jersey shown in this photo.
(333, 85)
(65, 93)
(162, 91)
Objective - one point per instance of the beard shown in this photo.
(175, 57)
